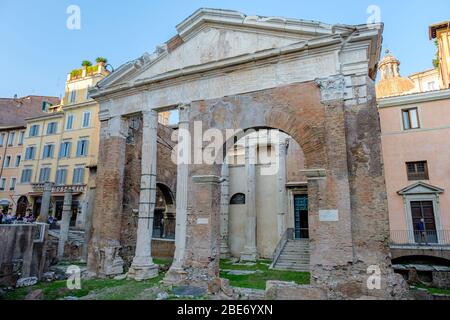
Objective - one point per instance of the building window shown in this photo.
(61, 177)
(2, 139)
(431, 86)
(238, 198)
(7, 162)
(12, 184)
(30, 153)
(86, 119)
(411, 119)
(48, 151)
(52, 127)
(11, 137)
(64, 151)
(417, 170)
(26, 176)
(21, 137)
(18, 159)
(69, 123)
(44, 175)
(3, 184)
(46, 105)
(34, 130)
(82, 148)
(73, 96)
(78, 176)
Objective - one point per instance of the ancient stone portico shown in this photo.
(225, 70)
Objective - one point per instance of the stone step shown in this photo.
(297, 247)
(299, 268)
(294, 257)
(293, 260)
(291, 265)
(297, 251)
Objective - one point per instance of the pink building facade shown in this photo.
(416, 152)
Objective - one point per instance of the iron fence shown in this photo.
(415, 237)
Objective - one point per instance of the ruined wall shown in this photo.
(166, 174)
(341, 138)
(20, 256)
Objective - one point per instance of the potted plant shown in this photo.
(101, 61)
(86, 63)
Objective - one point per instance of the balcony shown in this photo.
(39, 188)
(420, 239)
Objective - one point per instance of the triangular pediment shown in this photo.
(420, 188)
(211, 35)
(212, 38)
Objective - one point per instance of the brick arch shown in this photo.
(294, 109)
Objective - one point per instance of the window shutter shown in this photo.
(69, 147)
(79, 146)
(86, 147)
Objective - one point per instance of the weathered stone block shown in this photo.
(279, 290)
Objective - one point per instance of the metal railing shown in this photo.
(421, 238)
(288, 235)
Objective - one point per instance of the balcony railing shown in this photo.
(420, 238)
(39, 187)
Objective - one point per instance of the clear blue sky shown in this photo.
(37, 50)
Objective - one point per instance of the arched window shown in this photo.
(163, 221)
(238, 198)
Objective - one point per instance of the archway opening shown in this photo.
(265, 197)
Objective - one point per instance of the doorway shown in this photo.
(301, 230)
(424, 210)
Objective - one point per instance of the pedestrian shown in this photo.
(421, 229)
(1, 215)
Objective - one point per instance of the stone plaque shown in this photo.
(329, 215)
(202, 221)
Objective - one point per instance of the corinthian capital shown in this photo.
(331, 88)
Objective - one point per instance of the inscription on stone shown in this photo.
(329, 215)
(202, 221)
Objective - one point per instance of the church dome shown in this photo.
(391, 83)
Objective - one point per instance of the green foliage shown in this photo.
(76, 73)
(433, 290)
(108, 289)
(86, 63)
(263, 274)
(91, 70)
(101, 59)
(436, 60)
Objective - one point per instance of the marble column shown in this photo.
(176, 272)
(65, 222)
(143, 267)
(250, 251)
(224, 210)
(104, 258)
(281, 187)
(46, 198)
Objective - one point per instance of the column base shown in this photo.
(143, 272)
(249, 254)
(175, 276)
(225, 251)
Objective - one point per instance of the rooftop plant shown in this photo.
(436, 60)
(101, 60)
(86, 63)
